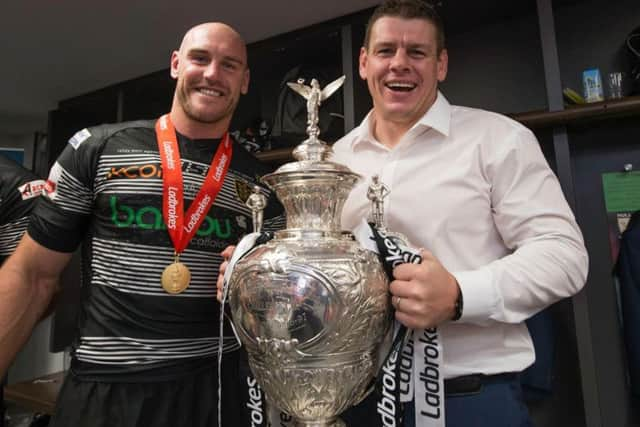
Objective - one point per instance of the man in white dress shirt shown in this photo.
(474, 190)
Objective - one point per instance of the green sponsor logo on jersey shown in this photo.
(150, 218)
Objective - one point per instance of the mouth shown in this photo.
(400, 86)
(210, 92)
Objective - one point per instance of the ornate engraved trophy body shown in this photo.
(311, 306)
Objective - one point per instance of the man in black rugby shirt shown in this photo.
(19, 188)
(153, 202)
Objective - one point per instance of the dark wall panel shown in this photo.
(604, 147)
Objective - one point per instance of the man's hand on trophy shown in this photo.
(226, 256)
(424, 295)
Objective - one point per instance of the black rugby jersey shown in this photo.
(106, 190)
(19, 189)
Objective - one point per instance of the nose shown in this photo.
(212, 70)
(400, 61)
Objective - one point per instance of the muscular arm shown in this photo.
(28, 282)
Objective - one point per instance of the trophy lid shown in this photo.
(313, 189)
(312, 153)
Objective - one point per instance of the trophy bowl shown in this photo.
(311, 306)
(312, 316)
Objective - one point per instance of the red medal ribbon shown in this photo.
(180, 230)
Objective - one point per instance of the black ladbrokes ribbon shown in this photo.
(392, 251)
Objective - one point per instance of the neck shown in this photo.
(389, 133)
(197, 130)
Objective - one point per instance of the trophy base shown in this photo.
(336, 422)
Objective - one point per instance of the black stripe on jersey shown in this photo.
(71, 195)
(135, 268)
(131, 351)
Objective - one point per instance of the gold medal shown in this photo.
(175, 278)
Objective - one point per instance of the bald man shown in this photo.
(147, 339)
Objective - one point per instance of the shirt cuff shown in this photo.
(481, 300)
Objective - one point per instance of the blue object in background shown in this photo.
(592, 85)
(15, 154)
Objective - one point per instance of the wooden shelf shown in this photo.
(628, 106)
(580, 113)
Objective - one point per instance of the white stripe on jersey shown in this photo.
(10, 235)
(72, 195)
(139, 351)
(137, 269)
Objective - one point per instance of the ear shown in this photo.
(245, 81)
(443, 65)
(174, 64)
(362, 63)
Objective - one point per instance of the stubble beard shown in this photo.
(200, 116)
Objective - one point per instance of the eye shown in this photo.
(384, 51)
(228, 65)
(417, 53)
(200, 59)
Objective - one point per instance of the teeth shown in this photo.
(210, 92)
(400, 85)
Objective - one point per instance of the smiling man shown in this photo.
(153, 203)
(211, 71)
(473, 188)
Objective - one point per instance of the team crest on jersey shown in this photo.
(32, 189)
(50, 187)
(80, 137)
(243, 190)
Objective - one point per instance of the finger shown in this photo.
(228, 252)
(223, 267)
(426, 255)
(220, 280)
(400, 288)
(219, 289)
(407, 272)
(395, 301)
(405, 319)
(404, 305)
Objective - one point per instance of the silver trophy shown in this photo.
(311, 305)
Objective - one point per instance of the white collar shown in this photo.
(437, 117)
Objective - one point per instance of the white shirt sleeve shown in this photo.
(549, 261)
